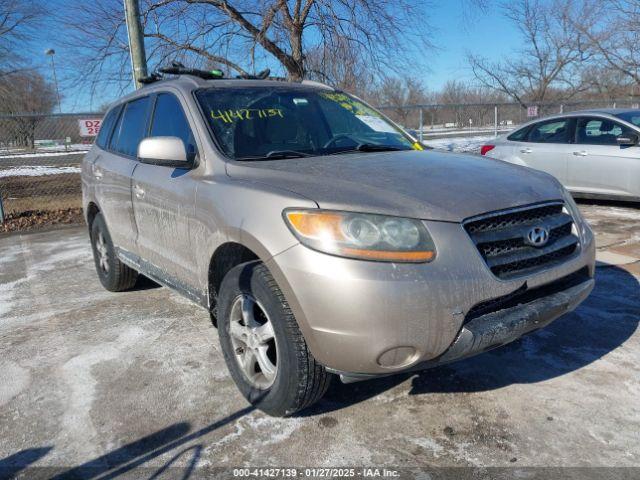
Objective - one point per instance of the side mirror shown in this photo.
(628, 140)
(163, 151)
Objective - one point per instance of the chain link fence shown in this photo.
(40, 155)
(465, 127)
(40, 159)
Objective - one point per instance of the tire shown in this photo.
(299, 380)
(114, 275)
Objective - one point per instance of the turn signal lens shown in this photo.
(363, 236)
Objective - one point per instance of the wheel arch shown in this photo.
(226, 256)
(91, 211)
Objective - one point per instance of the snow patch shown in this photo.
(279, 429)
(37, 171)
(14, 379)
(44, 154)
(78, 376)
(459, 144)
(428, 444)
(6, 297)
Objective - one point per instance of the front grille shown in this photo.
(525, 295)
(501, 238)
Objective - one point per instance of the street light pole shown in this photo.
(136, 41)
(51, 52)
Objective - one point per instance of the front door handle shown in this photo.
(525, 150)
(138, 191)
(581, 153)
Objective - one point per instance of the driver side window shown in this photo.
(169, 120)
(599, 131)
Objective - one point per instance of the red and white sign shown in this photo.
(89, 127)
(532, 111)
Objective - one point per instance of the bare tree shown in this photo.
(400, 93)
(613, 30)
(341, 66)
(241, 35)
(17, 21)
(470, 105)
(26, 95)
(550, 61)
(607, 83)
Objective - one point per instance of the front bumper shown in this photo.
(368, 319)
(495, 329)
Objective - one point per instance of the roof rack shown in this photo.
(177, 68)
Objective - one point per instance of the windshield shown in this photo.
(259, 123)
(631, 117)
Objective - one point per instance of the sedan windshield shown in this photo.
(279, 122)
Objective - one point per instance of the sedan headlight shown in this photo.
(362, 235)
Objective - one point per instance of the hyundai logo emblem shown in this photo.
(538, 236)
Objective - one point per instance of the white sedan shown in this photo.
(594, 153)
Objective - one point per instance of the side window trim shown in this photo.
(153, 101)
(571, 136)
(116, 126)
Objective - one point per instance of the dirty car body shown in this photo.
(500, 250)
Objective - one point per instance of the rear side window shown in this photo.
(519, 135)
(600, 131)
(169, 120)
(107, 127)
(552, 131)
(132, 127)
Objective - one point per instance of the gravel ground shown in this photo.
(134, 384)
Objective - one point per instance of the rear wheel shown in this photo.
(263, 347)
(114, 275)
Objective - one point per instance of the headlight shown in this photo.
(363, 236)
(580, 223)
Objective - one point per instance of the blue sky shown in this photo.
(455, 28)
(457, 31)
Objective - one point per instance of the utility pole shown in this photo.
(136, 41)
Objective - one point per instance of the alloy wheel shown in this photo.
(253, 340)
(103, 257)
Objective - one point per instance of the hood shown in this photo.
(427, 185)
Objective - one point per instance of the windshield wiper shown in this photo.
(370, 147)
(373, 147)
(285, 154)
(276, 154)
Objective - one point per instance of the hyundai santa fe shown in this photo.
(320, 236)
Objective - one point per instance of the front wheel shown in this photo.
(263, 347)
(114, 275)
